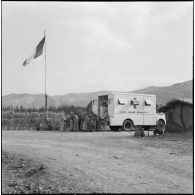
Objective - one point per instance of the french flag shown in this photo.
(36, 53)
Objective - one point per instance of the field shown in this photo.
(108, 162)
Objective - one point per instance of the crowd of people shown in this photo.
(80, 121)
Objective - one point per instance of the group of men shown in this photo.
(80, 122)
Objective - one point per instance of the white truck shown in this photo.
(127, 110)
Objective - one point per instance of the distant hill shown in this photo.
(37, 100)
(164, 94)
(180, 90)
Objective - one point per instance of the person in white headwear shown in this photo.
(103, 115)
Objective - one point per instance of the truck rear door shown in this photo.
(110, 106)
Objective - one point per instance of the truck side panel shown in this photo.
(118, 119)
(149, 110)
(132, 109)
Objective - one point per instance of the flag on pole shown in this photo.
(36, 53)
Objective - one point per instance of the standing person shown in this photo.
(85, 119)
(96, 122)
(71, 124)
(38, 126)
(82, 118)
(71, 121)
(65, 124)
(76, 122)
(88, 123)
(79, 120)
(68, 123)
(64, 117)
(103, 115)
(93, 122)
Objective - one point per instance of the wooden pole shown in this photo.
(45, 76)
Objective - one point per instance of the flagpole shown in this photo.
(45, 76)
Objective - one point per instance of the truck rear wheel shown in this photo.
(127, 125)
(114, 128)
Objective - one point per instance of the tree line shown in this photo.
(64, 108)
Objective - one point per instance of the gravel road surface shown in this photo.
(110, 162)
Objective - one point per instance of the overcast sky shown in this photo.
(120, 46)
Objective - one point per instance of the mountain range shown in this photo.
(163, 94)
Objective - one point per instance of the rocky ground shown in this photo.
(25, 176)
(102, 162)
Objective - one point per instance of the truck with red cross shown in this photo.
(127, 110)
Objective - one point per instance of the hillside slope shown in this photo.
(37, 100)
(164, 94)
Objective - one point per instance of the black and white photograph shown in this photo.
(97, 97)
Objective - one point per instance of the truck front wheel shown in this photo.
(127, 125)
(160, 127)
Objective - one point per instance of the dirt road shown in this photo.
(110, 162)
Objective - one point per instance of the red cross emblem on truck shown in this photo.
(134, 102)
